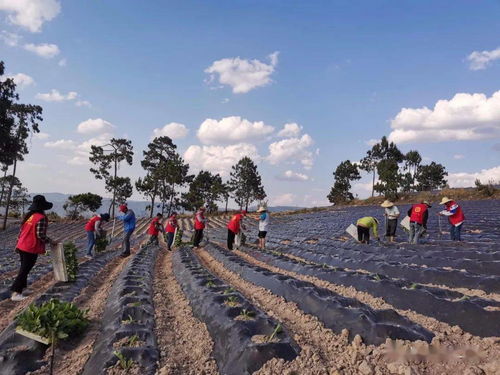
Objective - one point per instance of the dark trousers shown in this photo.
(455, 232)
(126, 242)
(153, 239)
(392, 224)
(230, 239)
(198, 235)
(363, 234)
(170, 239)
(28, 260)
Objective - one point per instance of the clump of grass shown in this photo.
(247, 314)
(277, 330)
(124, 362)
(232, 301)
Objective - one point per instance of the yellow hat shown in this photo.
(387, 204)
(445, 200)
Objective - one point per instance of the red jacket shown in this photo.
(235, 223)
(457, 214)
(171, 224)
(90, 226)
(28, 240)
(418, 213)
(199, 224)
(153, 227)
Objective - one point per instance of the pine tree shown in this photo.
(344, 174)
(246, 183)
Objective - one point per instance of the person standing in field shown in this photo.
(170, 229)
(419, 214)
(392, 215)
(199, 224)
(31, 242)
(455, 216)
(155, 227)
(364, 225)
(129, 222)
(94, 229)
(234, 227)
(263, 223)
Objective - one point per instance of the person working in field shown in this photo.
(392, 214)
(199, 224)
(129, 222)
(94, 229)
(170, 229)
(364, 225)
(155, 227)
(31, 242)
(419, 214)
(234, 228)
(455, 216)
(263, 223)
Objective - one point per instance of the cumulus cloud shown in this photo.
(292, 176)
(82, 150)
(93, 126)
(371, 142)
(482, 59)
(61, 144)
(219, 159)
(30, 14)
(232, 129)
(291, 150)
(55, 96)
(83, 103)
(41, 135)
(464, 117)
(45, 50)
(174, 130)
(241, 74)
(10, 39)
(290, 130)
(463, 179)
(21, 79)
(287, 199)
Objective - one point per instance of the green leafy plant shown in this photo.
(210, 284)
(463, 298)
(247, 314)
(129, 320)
(134, 304)
(101, 243)
(277, 330)
(232, 301)
(132, 340)
(377, 277)
(124, 362)
(178, 237)
(413, 286)
(53, 320)
(71, 260)
(229, 290)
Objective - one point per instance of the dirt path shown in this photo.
(453, 339)
(71, 356)
(184, 342)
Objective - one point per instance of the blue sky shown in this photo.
(342, 72)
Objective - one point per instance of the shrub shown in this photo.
(71, 260)
(487, 190)
(101, 242)
(178, 237)
(54, 320)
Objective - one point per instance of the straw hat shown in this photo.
(426, 203)
(261, 209)
(445, 200)
(387, 204)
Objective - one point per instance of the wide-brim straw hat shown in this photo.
(387, 204)
(40, 204)
(445, 200)
(261, 209)
(427, 203)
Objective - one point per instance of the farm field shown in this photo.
(313, 302)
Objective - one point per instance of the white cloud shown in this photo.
(292, 176)
(290, 130)
(219, 159)
(62, 62)
(287, 199)
(21, 79)
(174, 130)
(55, 96)
(97, 125)
(232, 129)
(241, 74)
(463, 179)
(82, 150)
(45, 50)
(291, 150)
(464, 117)
(10, 39)
(30, 14)
(61, 144)
(41, 135)
(482, 59)
(83, 103)
(458, 156)
(371, 142)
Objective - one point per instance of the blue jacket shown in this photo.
(128, 220)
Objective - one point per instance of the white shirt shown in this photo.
(392, 212)
(263, 223)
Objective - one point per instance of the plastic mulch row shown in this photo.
(129, 311)
(335, 311)
(220, 307)
(19, 354)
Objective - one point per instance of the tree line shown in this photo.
(397, 173)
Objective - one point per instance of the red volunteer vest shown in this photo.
(153, 230)
(28, 241)
(234, 223)
(90, 226)
(198, 224)
(171, 224)
(458, 216)
(417, 213)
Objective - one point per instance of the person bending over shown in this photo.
(364, 225)
(234, 227)
(199, 225)
(94, 229)
(155, 227)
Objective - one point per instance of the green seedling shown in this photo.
(277, 330)
(232, 301)
(71, 260)
(129, 320)
(413, 286)
(131, 294)
(210, 284)
(125, 363)
(377, 277)
(132, 340)
(325, 266)
(134, 304)
(229, 290)
(464, 298)
(247, 314)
